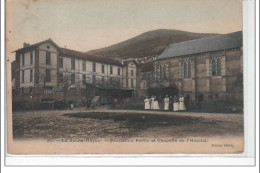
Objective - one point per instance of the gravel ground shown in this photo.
(123, 124)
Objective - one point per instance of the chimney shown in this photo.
(26, 44)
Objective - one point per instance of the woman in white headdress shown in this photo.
(181, 106)
(166, 103)
(175, 104)
(147, 103)
(152, 102)
(156, 104)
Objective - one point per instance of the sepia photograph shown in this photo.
(125, 77)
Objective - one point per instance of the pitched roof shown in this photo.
(87, 56)
(206, 44)
(126, 62)
(36, 44)
(73, 53)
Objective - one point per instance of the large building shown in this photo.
(45, 71)
(206, 68)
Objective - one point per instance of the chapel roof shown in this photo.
(202, 45)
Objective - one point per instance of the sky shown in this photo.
(91, 24)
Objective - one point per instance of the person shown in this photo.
(156, 104)
(71, 105)
(176, 104)
(152, 102)
(166, 103)
(181, 104)
(146, 103)
(170, 103)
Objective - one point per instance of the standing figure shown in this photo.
(152, 102)
(166, 103)
(176, 104)
(146, 103)
(182, 106)
(156, 104)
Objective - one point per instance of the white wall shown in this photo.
(89, 71)
(26, 82)
(26, 68)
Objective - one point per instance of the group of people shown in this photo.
(169, 103)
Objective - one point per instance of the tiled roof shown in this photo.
(36, 44)
(74, 53)
(206, 44)
(90, 57)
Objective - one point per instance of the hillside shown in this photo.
(147, 44)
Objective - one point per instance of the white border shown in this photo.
(247, 158)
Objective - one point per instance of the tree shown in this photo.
(160, 81)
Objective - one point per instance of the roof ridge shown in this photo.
(204, 38)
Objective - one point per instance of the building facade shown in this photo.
(206, 68)
(46, 71)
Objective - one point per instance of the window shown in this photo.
(164, 72)
(23, 76)
(61, 77)
(103, 80)
(219, 67)
(187, 69)
(31, 90)
(83, 78)
(216, 67)
(103, 68)
(132, 72)
(22, 59)
(60, 62)
(31, 58)
(111, 69)
(94, 79)
(48, 89)
(73, 64)
(84, 66)
(118, 71)
(93, 67)
(213, 66)
(132, 83)
(72, 78)
(48, 58)
(31, 75)
(48, 75)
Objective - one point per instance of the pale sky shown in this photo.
(90, 24)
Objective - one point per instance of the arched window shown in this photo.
(213, 67)
(219, 67)
(189, 69)
(164, 72)
(185, 68)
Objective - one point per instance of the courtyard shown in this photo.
(123, 124)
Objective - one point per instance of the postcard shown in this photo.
(124, 77)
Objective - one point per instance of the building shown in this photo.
(206, 68)
(45, 71)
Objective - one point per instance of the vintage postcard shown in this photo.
(124, 77)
